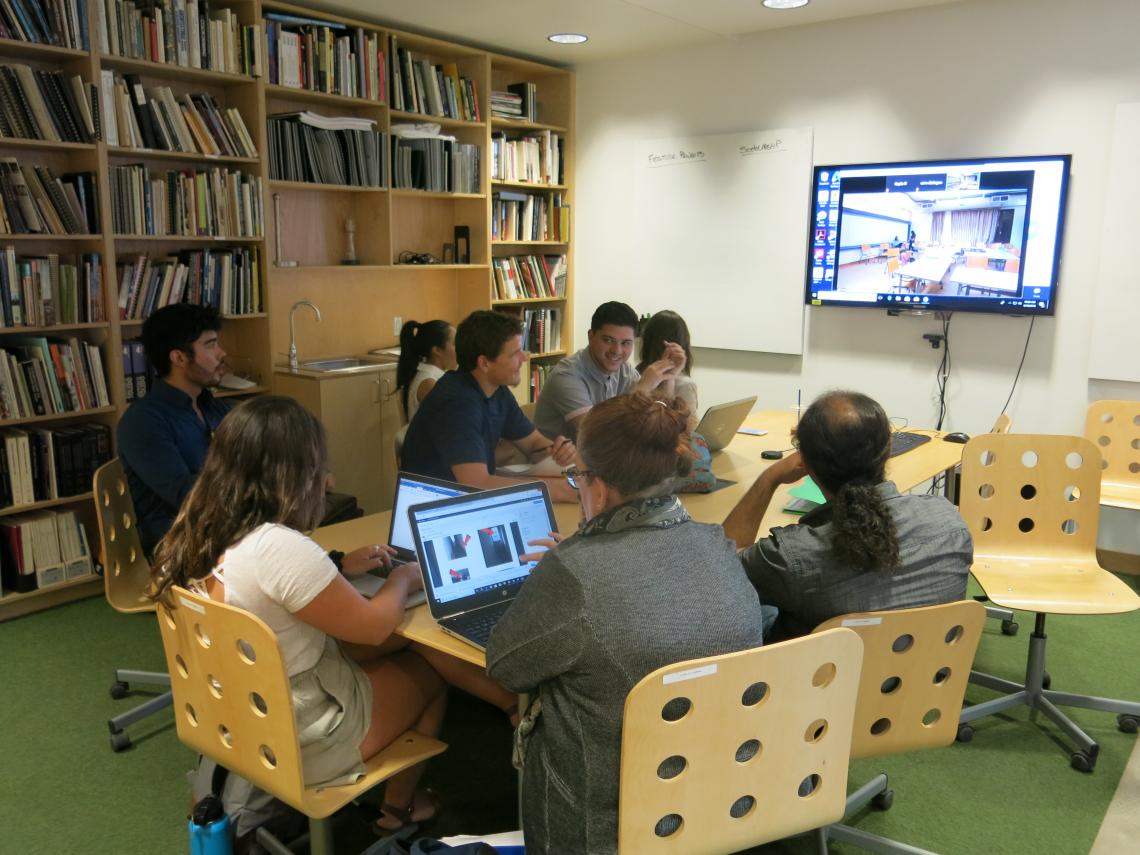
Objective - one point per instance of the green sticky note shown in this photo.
(809, 490)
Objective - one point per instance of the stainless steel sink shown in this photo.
(347, 363)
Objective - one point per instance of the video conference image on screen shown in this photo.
(966, 234)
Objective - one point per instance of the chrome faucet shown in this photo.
(292, 333)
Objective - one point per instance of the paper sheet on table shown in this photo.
(545, 468)
(809, 490)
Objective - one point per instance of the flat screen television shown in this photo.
(971, 235)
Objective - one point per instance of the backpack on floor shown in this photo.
(247, 806)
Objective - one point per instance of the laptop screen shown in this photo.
(471, 545)
(416, 490)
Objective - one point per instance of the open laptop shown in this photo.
(720, 423)
(410, 490)
(470, 548)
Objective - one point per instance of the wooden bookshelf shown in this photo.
(358, 302)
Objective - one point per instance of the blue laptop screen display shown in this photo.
(476, 545)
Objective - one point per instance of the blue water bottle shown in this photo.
(210, 828)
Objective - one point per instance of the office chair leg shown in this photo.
(874, 843)
(1008, 625)
(321, 836)
(271, 844)
(119, 740)
(1035, 694)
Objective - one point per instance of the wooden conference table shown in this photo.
(739, 462)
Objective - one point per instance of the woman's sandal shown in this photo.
(423, 807)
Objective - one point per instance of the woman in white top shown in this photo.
(661, 329)
(426, 351)
(239, 538)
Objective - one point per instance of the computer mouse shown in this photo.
(956, 436)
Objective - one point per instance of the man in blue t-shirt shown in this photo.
(470, 414)
(164, 437)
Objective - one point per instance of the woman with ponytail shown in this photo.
(869, 547)
(427, 350)
(639, 586)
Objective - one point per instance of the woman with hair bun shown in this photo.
(427, 351)
(659, 331)
(641, 585)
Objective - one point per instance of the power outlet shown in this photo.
(397, 325)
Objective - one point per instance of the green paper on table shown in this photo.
(806, 496)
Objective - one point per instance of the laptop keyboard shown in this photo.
(477, 625)
(903, 441)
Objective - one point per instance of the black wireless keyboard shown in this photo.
(903, 441)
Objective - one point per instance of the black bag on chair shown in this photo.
(340, 507)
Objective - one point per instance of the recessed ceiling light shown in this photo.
(571, 38)
(785, 4)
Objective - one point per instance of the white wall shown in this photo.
(984, 78)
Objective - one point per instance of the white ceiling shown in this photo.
(614, 26)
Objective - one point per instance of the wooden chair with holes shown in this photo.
(126, 576)
(1115, 427)
(728, 752)
(916, 664)
(1032, 503)
(232, 703)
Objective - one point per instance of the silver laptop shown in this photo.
(471, 549)
(410, 490)
(721, 422)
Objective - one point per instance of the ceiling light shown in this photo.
(785, 4)
(571, 38)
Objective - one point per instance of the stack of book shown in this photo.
(533, 277)
(43, 377)
(542, 330)
(326, 150)
(440, 164)
(157, 118)
(539, 371)
(37, 202)
(520, 101)
(40, 549)
(38, 291)
(324, 56)
(190, 33)
(227, 279)
(62, 23)
(535, 158)
(44, 104)
(418, 86)
(190, 202)
(137, 371)
(42, 464)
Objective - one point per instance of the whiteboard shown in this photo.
(1114, 352)
(720, 233)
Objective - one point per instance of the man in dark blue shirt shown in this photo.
(470, 412)
(164, 437)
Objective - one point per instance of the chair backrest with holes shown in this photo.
(916, 664)
(715, 751)
(126, 571)
(231, 694)
(1115, 428)
(1031, 495)
(1002, 424)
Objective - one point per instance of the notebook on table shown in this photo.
(721, 422)
(410, 490)
(471, 550)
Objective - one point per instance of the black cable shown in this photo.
(1024, 351)
(944, 366)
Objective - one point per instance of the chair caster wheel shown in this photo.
(965, 733)
(1009, 627)
(120, 742)
(1046, 680)
(119, 689)
(1082, 761)
(884, 800)
(1127, 723)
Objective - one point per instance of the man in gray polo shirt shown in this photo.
(601, 371)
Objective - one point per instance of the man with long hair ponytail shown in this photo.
(869, 547)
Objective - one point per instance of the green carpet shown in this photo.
(62, 789)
